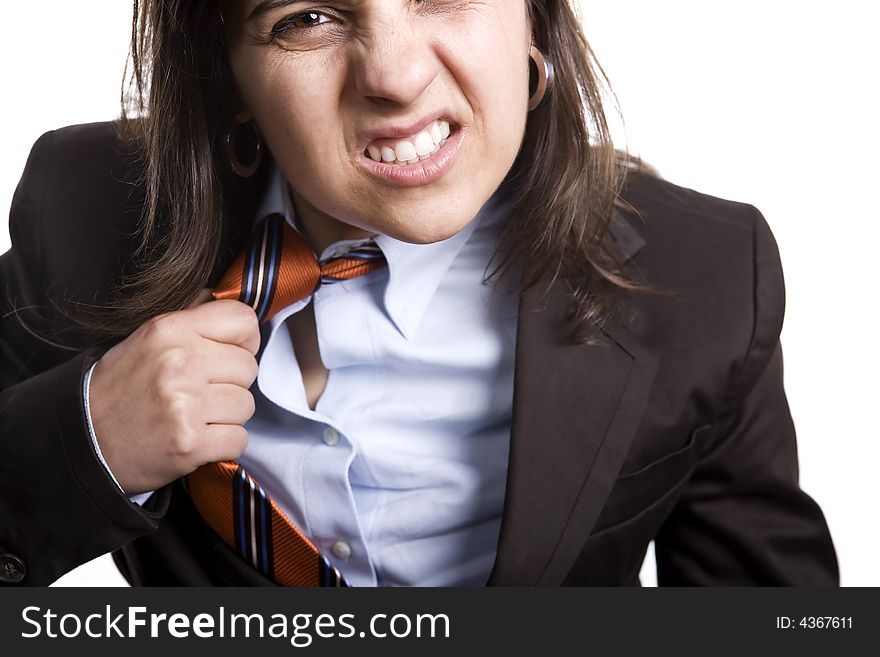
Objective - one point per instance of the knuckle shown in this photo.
(184, 440)
(175, 405)
(163, 327)
(173, 362)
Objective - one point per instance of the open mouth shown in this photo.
(410, 150)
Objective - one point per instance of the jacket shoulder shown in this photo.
(85, 137)
(77, 208)
(693, 232)
(653, 196)
(89, 166)
(716, 265)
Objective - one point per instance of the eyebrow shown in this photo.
(267, 5)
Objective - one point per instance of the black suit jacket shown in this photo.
(674, 428)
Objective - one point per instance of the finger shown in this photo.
(224, 403)
(223, 442)
(227, 363)
(224, 320)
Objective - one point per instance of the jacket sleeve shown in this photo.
(743, 519)
(58, 506)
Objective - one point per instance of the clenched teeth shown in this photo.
(407, 151)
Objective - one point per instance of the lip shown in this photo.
(400, 130)
(418, 173)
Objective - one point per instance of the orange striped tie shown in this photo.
(277, 269)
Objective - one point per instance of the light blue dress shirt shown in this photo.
(398, 475)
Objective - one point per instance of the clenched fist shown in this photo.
(175, 395)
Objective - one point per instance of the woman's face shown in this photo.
(340, 87)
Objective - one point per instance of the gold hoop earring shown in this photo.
(542, 74)
(234, 150)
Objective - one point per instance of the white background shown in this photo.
(773, 103)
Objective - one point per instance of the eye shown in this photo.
(300, 22)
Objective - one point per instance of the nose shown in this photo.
(394, 64)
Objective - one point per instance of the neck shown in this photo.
(319, 229)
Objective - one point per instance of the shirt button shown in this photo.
(331, 436)
(341, 549)
(12, 569)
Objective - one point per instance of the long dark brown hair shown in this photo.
(177, 109)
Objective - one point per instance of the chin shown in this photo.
(426, 234)
(432, 226)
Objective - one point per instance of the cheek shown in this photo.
(491, 68)
(509, 97)
(293, 105)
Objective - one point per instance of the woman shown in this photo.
(617, 380)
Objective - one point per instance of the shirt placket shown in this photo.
(325, 453)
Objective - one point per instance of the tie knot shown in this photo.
(278, 268)
(351, 262)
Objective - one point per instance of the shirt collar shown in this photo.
(414, 270)
(276, 199)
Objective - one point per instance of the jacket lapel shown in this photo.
(576, 409)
